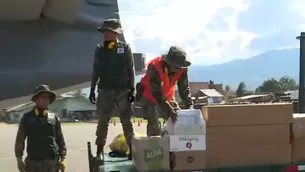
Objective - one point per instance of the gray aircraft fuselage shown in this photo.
(46, 51)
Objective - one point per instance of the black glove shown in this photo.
(171, 111)
(131, 95)
(173, 114)
(92, 96)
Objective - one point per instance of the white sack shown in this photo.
(189, 122)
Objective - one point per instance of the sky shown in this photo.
(212, 32)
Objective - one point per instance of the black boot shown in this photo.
(100, 155)
(130, 153)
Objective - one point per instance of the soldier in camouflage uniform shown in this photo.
(114, 69)
(46, 147)
(155, 92)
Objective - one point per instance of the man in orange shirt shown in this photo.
(156, 90)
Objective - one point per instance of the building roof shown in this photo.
(249, 97)
(196, 86)
(26, 105)
(211, 92)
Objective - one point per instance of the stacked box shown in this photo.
(187, 141)
(241, 135)
(298, 137)
(151, 153)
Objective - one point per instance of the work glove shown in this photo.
(62, 164)
(170, 110)
(92, 96)
(20, 164)
(175, 105)
(131, 95)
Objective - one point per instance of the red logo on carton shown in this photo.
(189, 145)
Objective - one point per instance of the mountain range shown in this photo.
(252, 71)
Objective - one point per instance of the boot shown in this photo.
(130, 153)
(100, 155)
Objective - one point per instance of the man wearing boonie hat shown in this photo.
(114, 69)
(156, 90)
(46, 147)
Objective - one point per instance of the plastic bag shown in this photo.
(120, 145)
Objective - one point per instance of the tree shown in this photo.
(287, 83)
(227, 88)
(241, 89)
(271, 85)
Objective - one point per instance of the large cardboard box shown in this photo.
(249, 114)
(180, 143)
(188, 160)
(227, 155)
(190, 122)
(249, 135)
(298, 137)
(151, 153)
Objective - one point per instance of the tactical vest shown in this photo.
(168, 86)
(41, 134)
(112, 66)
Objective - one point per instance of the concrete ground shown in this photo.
(76, 135)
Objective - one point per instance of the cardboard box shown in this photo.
(298, 137)
(298, 125)
(150, 153)
(298, 149)
(229, 155)
(190, 122)
(188, 160)
(249, 114)
(250, 135)
(180, 143)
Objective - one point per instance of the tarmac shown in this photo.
(76, 135)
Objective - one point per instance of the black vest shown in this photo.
(112, 67)
(41, 133)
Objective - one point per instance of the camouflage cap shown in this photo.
(113, 25)
(44, 89)
(176, 56)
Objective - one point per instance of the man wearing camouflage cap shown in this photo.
(156, 90)
(114, 69)
(46, 147)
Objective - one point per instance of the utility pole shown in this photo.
(301, 101)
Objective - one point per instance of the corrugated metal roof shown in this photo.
(26, 105)
(250, 97)
(211, 93)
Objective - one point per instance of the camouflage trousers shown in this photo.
(107, 101)
(41, 166)
(151, 112)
